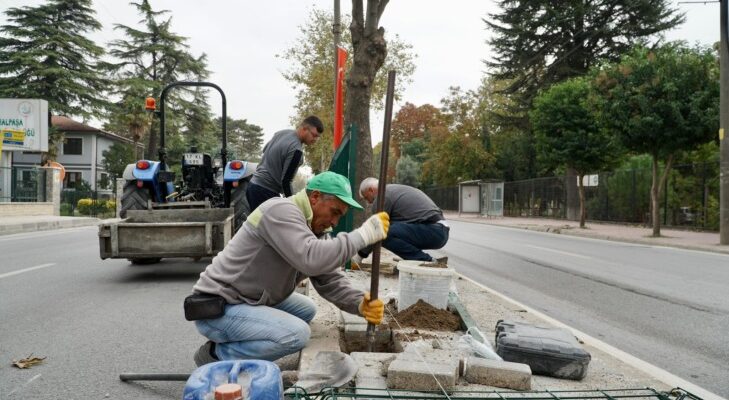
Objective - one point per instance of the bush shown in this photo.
(94, 207)
(66, 209)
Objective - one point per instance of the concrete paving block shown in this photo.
(372, 372)
(346, 318)
(435, 356)
(418, 376)
(502, 374)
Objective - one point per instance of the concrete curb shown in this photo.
(560, 230)
(46, 225)
(657, 373)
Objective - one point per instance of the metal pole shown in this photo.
(337, 32)
(153, 377)
(375, 280)
(724, 124)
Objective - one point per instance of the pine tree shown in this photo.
(539, 42)
(45, 53)
(148, 60)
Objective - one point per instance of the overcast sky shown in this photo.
(242, 38)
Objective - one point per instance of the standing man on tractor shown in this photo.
(417, 223)
(244, 301)
(282, 157)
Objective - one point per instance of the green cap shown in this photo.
(335, 184)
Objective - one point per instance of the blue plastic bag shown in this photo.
(262, 379)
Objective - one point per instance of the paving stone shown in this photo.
(502, 374)
(372, 372)
(435, 356)
(419, 376)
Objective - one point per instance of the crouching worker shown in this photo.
(259, 315)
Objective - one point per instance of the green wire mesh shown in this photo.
(296, 393)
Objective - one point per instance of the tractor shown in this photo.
(194, 216)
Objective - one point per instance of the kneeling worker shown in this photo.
(417, 224)
(282, 243)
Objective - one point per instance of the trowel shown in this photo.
(329, 369)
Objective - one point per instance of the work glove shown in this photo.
(374, 228)
(372, 310)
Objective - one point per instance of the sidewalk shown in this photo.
(23, 224)
(702, 241)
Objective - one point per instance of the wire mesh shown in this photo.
(296, 393)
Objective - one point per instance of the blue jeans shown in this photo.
(409, 240)
(260, 332)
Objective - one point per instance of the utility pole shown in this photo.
(724, 123)
(337, 31)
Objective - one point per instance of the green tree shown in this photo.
(148, 59)
(569, 135)
(116, 158)
(312, 75)
(537, 43)
(244, 140)
(45, 53)
(408, 171)
(661, 102)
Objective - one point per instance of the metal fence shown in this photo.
(690, 197)
(23, 185)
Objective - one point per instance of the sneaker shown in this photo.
(204, 355)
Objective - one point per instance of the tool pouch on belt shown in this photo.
(204, 306)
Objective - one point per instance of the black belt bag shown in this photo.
(204, 306)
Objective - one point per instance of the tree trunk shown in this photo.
(370, 49)
(581, 190)
(656, 191)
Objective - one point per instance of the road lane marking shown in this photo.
(25, 384)
(20, 271)
(38, 234)
(559, 252)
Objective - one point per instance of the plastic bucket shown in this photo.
(423, 283)
(260, 379)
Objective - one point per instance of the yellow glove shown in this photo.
(374, 228)
(372, 310)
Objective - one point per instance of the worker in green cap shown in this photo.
(252, 280)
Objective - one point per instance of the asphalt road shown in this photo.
(91, 319)
(666, 306)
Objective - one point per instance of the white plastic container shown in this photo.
(423, 283)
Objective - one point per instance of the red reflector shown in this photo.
(140, 184)
(236, 165)
(150, 104)
(235, 184)
(143, 164)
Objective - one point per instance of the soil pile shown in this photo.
(424, 316)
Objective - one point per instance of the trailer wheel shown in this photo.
(145, 261)
(240, 205)
(133, 198)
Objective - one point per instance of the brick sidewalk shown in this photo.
(703, 241)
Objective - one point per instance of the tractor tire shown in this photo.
(144, 261)
(239, 202)
(133, 198)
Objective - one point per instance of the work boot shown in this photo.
(205, 354)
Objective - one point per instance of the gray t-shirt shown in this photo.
(279, 157)
(407, 204)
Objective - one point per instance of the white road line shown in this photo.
(20, 271)
(560, 252)
(38, 234)
(25, 384)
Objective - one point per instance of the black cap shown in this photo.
(314, 121)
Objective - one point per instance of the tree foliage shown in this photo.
(45, 53)
(408, 171)
(244, 140)
(661, 102)
(116, 158)
(540, 43)
(148, 59)
(569, 135)
(412, 123)
(312, 75)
